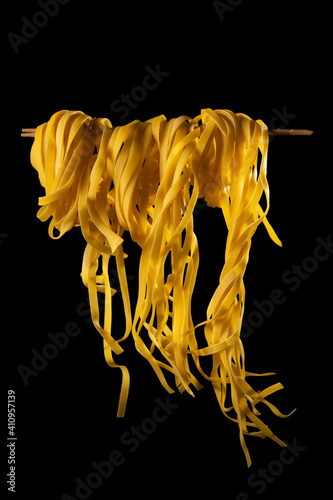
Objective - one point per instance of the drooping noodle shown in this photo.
(145, 178)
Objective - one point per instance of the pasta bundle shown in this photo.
(145, 178)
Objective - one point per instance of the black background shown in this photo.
(263, 59)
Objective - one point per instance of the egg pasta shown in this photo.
(145, 178)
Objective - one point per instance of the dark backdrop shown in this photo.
(269, 60)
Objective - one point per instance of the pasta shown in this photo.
(145, 178)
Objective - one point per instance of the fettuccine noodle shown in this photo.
(145, 178)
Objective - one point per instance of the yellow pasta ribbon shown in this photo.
(145, 178)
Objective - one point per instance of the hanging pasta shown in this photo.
(145, 178)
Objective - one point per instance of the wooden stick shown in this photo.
(289, 131)
(30, 132)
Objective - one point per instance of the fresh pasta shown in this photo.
(145, 178)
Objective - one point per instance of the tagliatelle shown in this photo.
(145, 178)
